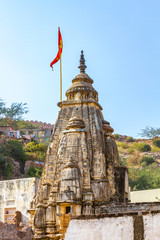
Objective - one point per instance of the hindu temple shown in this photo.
(82, 171)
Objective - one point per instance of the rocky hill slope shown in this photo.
(142, 158)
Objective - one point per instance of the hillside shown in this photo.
(142, 158)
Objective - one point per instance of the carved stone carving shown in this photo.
(82, 170)
(78, 96)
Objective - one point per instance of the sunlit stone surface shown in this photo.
(82, 172)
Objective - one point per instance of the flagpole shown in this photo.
(60, 79)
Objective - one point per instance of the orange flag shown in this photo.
(60, 47)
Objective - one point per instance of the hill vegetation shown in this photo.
(14, 150)
(142, 158)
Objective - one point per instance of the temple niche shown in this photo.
(82, 172)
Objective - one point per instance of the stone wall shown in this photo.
(11, 232)
(16, 195)
(101, 229)
(132, 221)
(143, 227)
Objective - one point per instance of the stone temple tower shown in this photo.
(82, 171)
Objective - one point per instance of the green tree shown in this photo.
(5, 167)
(144, 178)
(129, 139)
(147, 160)
(13, 115)
(150, 132)
(34, 172)
(21, 124)
(36, 151)
(156, 142)
(15, 150)
(143, 147)
(2, 108)
(16, 111)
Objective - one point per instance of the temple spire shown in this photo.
(82, 65)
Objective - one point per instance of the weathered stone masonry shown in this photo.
(16, 195)
(138, 221)
(82, 170)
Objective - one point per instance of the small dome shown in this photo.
(82, 77)
(82, 83)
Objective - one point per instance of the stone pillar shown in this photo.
(78, 209)
(51, 219)
(40, 221)
(87, 208)
(87, 203)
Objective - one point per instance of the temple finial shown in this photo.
(82, 65)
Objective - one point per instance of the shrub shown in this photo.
(34, 172)
(14, 149)
(122, 145)
(129, 139)
(30, 147)
(8, 170)
(36, 151)
(33, 147)
(5, 167)
(131, 150)
(143, 147)
(147, 160)
(155, 149)
(145, 178)
(156, 142)
(40, 155)
(42, 147)
(116, 135)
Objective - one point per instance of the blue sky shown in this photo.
(121, 43)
